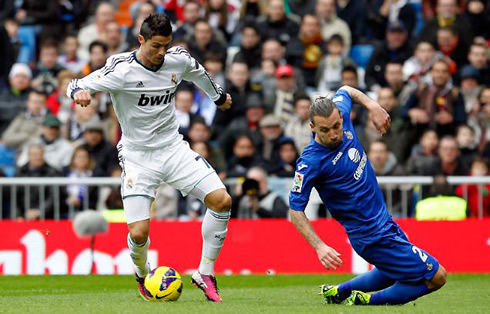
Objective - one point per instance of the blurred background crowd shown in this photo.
(426, 62)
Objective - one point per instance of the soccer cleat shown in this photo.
(357, 298)
(208, 285)
(141, 288)
(331, 294)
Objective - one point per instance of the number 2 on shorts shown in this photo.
(422, 255)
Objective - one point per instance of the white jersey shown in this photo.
(143, 98)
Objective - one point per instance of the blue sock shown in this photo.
(373, 280)
(399, 293)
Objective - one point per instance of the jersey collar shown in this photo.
(141, 63)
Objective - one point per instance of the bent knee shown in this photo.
(138, 235)
(220, 202)
(439, 279)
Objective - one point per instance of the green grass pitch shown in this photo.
(241, 294)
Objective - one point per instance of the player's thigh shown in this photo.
(401, 260)
(140, 175)
(189, 173)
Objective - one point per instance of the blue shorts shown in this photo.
(391, 253)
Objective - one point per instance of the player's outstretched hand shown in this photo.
(329, 257)
(227, 103)
(381, 119)
(82, 98)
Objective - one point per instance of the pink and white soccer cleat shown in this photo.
(141, 288)
(208, 284)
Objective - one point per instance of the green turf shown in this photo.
(241, 294)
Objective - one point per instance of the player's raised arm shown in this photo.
(381, 118)
(196, 73)
(109, 78)
(327, 255)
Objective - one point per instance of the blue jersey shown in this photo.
(344, 178)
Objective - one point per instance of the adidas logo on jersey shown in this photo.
(155, 100)
(140, 84)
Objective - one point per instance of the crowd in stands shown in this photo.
(426, 62)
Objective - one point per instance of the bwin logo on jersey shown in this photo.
(155, 100)
(354, 155)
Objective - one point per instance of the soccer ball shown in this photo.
(163, 284)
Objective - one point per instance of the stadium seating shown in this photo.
(7, 160)
(360, 54)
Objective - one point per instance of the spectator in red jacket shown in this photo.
(479, 167)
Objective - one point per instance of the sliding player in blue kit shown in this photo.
(337, 166)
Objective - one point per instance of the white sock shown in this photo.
(139, 255)
(213, 234)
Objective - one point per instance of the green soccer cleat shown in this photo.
(331, 294)
(357, 298)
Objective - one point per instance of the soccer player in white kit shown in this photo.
(142, 86)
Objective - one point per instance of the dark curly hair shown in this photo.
(156, 24)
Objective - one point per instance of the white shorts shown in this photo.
(177, 165)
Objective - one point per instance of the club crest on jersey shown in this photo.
(129, 184)
(174, 79)
(298, 182)
(348, 134)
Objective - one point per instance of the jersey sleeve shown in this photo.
(304, 180)
(107, 79)
(343, 101)
(196, 73)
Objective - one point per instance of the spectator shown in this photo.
(329, 72)
(250, 47)
(448, 162)
(243, 158)
(36, 167)
(479, 119)
(423, 153)
(81, 166)
(58, 103)
(451, 46)
(10, 50)
(286, 88)
(255, 200)
(251, 10)
(26, 124)
(43, 14)
(393, 77)
(200, 132)
(277, 25)
(476, 13)
(103, 15)
(215, 67)
(265, 76)
(248, 124)
(98, 55)
(192, 13)
(113, 38)
(353, 12)
(465, 137)
(385, 11)
(298, 128)
(470, 87)
(183, 105)
(396, 48)
(114, 200)
(73, 129)
(441, 203)
(302, 7)
(385, 164)
(331, 24)
(306, 50)
(222, 16)
(13, 100)
(437, 105)
(447, 15)
(288, 154)
(103, 152)
(57, 150)
(204, 40)
(417, 67)
(70, 59)
(46, 73)
(479, 168)
(478, 58)
(268, 148)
